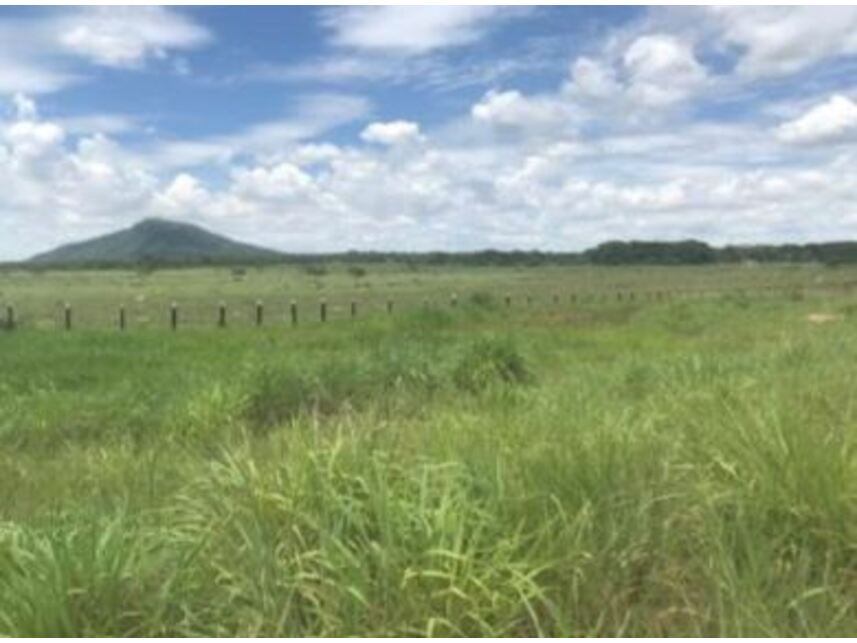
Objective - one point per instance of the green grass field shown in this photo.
(682, 467)
(96, 296)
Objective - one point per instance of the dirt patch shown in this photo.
(823, 318)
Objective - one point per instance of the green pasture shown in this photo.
(684, 466)
(40, 297)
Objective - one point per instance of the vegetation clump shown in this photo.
(316, 270)
(491, 361)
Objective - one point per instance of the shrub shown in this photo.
(488, 362)
(277, 393)
(316, 270)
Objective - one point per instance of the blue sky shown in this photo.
(420, 128)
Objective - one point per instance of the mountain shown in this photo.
(157, 241)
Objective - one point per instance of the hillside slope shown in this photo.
(156, 241)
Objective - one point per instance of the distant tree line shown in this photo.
(617, 253)
(611, 253)
(697, 252)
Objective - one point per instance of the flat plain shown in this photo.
(617, 451)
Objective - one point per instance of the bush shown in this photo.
(358, 272)
(488, 362)
(316, 270)
(277, 393)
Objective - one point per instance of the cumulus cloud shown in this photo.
(314, 153)
(557, 194)
(511, 109)
(554, 195)
(594, 79)
(127, 36)
(638, 78)
(184, 195)
(29, 138)
(281, 181)
(778, 40)
(56, 184)
(408, 29)
(41, 55)
(832, 121)
(391, 133)
(663, 69)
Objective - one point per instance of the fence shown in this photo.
(176, 316)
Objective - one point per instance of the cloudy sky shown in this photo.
(418, 128)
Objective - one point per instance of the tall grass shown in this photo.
(679, 470)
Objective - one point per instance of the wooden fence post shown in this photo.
(389, 306)
(323, 310)
(353, 309)
(293, 307)
(508, 301)
(67, 316)
(260, 313)
(10, 317)
(174, 316)
(221, 315)
(121, 317)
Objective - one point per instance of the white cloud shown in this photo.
(184, 195)
(778, 40)
(30, 138)
(282, 181)
(312, 116)
(831, 121)
(19, 74)
(391, 133)
(556, 194)
(511, 109)
(662, 69)
(314, 153)
(56, 184)
(104, 123)
(48, 53)
(435, 70)
(25, 107)
(594, 79)
(127, 36)
(409, 29)
(640, 77)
